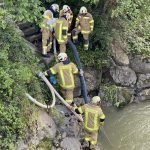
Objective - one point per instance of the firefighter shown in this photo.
(54, 8)
(47, 29)
(61, 30)
(85, 25)
(65, 71)
(67, 9)
(93, 118)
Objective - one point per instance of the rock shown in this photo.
(45, 127)
(137, 64)
(70, 124)
(70, 143)
(143, 81)
(119, 96)
(92, 79)
(53, 148)
(123, 75)
(143, 95)
(118, 53)
(124, 96)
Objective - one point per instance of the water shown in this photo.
(127, 129)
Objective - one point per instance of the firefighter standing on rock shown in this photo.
(85, 25)
(47, 29)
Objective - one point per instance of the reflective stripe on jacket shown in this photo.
(44, 23)
(65, 74)
(86, 23)
(92, 116)
(61, 30)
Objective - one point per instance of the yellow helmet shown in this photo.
(48, 14)
(96, 99)
(83, 10)
(66, 8)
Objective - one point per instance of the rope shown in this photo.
(54, 93)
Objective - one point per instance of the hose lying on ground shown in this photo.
(54, 92)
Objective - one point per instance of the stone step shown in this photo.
(24, 25)
(35, 37)
(30, 31)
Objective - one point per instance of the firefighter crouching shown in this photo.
(85, 25)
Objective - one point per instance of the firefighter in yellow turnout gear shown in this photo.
(93, 118)
(65, 71)
(67, 10)
(47, 29)
(85, 25)
(61, 30)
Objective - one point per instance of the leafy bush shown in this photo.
(17, 75)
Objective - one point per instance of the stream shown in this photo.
(127, 128)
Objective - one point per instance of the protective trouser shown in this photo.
(62, 47)
(91, 137)
(68, 95)
(75, 33)
(47, 38)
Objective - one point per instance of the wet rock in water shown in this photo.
(119, 96)
(143, 95)
(143, 81)
(123, 76)
(139, 66)
(124, 96)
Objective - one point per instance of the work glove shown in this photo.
(102, 123)
(52, 80)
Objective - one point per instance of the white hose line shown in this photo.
(36, 102)
(58, 95)
(52, 91)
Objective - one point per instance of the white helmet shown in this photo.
(55, 7)
(96, 99)
(66, 8)
(83, 10)
(48, 13)
(62, 56)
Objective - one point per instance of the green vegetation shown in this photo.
(17, 75)
(45, 144)
(134, 20)
(127, 20)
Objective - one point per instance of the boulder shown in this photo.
(143, 95)
(119, 96)
(139, 66)
(70, 143)
(92, 79)
(123, 75)
(45, 127)
(143, 81)
(118, 53)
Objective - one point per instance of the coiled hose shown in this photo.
(54, 94)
